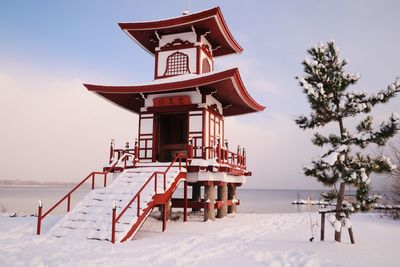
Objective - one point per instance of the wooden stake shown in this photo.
(322, 226)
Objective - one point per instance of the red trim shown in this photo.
(155, 145)
(203, 142)
(212, 20)
(173, 108)
(223, 131)
(176, 47)
(156, 67)
(198, 60)
(140, 126)
(209, 134)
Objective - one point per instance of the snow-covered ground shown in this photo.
(237, 240)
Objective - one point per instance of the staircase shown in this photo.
(134, 194)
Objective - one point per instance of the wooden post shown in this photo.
(185, 202)
(322, 226)
(190, 150)
(136, 157)
(218, 151)
(39, 217)
(114, 213)
(350, 230)
(222, 196)
(164, 217)
(69, 203)
(351, 235)
(111, 151)
(209, 197)
(243, 156)
(196, 195)
(92, 181)
(232, 196)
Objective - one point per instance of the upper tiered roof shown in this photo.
(210, 22)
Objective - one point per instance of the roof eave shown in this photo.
(233, 75)
(184, 20)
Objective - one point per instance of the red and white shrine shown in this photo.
(182, 110)
(181, 135)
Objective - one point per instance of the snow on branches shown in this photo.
(325, 84)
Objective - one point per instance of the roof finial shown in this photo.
(187, 10)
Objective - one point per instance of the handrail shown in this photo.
(224, 156)
(68, 195)
(116, 218)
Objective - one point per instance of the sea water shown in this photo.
(24, 199)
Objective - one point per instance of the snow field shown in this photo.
(236, 240)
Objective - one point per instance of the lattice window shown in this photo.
(206, 66)
(177, 63)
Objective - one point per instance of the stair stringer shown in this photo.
(156, 200)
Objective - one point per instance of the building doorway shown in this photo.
(172, 133)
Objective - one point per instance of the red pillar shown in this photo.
(114, 212)
(39, 222)
(164, 217)
(185, 202)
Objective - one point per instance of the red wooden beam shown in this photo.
(180, 203)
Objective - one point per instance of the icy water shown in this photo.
(25, 199)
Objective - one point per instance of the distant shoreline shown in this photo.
(15, 183)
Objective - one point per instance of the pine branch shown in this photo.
(367, 135)
(355, 103)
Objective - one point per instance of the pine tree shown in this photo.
(325, 84)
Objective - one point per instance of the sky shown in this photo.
(54, 130)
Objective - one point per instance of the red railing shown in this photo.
(117, 153)
(92, 175)
(222, 155)
(116, 218)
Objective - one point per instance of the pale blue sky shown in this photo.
(48, 48)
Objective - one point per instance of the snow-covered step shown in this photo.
(92, 216)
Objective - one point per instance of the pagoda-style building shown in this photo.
(181, 135)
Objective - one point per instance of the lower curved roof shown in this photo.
(226, 86)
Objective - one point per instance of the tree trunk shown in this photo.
(339, 207)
